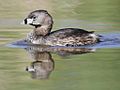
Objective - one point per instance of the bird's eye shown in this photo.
(34, 17)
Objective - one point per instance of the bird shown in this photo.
(42, 22)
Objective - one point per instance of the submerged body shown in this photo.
(63, 37)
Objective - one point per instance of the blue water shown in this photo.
(108, 40)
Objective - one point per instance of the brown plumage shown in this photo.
(42, 34)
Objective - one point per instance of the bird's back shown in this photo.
(71, 37)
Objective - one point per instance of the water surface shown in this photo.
(93, 67)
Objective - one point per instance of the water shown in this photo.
(94, 67)
(109, 40)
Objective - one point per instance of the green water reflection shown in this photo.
(91, 71)
(99, 70)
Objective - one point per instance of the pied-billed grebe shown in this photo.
(42, 21)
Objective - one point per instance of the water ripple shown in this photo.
(109, 40)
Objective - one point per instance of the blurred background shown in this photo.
(95, 14)
(94, 71)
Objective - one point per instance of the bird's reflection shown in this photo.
(42, 66)
(43, 63)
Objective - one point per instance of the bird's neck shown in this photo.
(42, 30)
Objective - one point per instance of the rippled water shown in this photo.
(96, 66)
(93, 67)
(109, 40)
